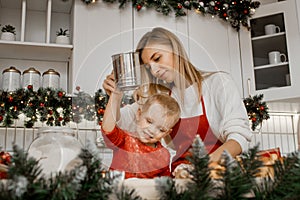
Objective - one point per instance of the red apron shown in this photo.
(184, 133)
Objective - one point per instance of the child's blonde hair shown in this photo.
(169, 104)
(142, 93)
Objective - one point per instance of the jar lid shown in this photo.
(11, 69)
(51, 71)
(56, 129)
(31, 70)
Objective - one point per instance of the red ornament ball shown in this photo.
(42, 104)
(262, 108)
(5, 159)
(77, 88)
(29, 87)
(50, 112)
(253, 119)
(60, 94)
(179, 6)
(246, 11)
(1, 118)
(138, 7)
(60, 119)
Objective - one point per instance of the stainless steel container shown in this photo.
(51, 78)
(11, 79)
(127, 70)
(32, 77)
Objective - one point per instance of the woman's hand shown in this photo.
(109, 84)
(183, 171)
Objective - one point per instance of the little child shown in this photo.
(140, 154)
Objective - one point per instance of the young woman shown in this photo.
(210, 103)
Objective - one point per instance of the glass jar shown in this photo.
(11, 79)
(51, 79)
(55, 147)
(32, 77)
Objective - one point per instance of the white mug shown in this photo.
(276, 57)
(271, 29)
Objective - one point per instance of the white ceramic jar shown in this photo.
(55, 147)
(51, 78)
(11, 79)
(32, 77)
(8, 36)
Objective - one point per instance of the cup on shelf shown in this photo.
(276, 57)
(271, 29)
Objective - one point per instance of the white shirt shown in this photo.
(225, 110)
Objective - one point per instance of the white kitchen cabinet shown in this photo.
(36, 23)
(277, 81)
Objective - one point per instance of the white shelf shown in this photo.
(268, 36)
(270, 65)
(35, 51)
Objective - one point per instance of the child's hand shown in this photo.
(183, 171)
(109, 84)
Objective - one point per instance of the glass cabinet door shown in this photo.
(270, 54)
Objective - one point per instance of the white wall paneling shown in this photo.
(214, 45)
(100, 31)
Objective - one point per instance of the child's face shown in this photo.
(152, 125)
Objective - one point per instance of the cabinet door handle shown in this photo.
(249, 86)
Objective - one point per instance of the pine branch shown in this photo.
(233, 182)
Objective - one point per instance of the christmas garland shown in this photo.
(56, 108)
(52, 106)
(257, 110)
(235, 12)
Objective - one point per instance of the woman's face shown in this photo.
(152, 125)
(159, 60)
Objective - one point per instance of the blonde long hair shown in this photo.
(187, 72)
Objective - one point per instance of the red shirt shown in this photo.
(135, 158)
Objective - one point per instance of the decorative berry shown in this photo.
(138, 7)
(10, 99)
(100, 111)
(60, 94)
(29, 87)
